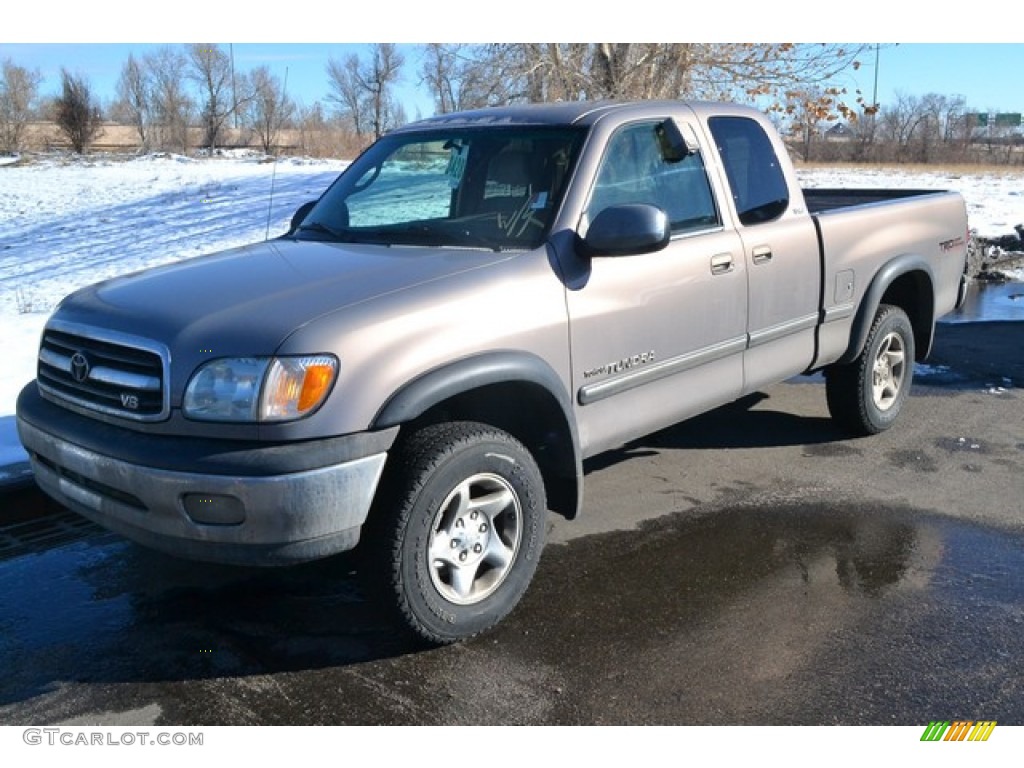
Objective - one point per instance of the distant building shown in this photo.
(838, 131)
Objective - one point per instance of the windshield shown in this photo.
(488, 187)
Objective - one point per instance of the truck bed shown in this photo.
(822, 200)
(863, 231)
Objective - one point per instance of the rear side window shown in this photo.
(755, 174)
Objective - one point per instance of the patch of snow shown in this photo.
(923, 369)
(993, 199)
(18, 340)
(11, 451)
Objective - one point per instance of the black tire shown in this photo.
(456, 533)
(866, 396)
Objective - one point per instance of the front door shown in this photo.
(656, 337)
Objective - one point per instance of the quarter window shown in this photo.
(755, 175)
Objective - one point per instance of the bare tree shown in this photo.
(958, 128)
(955, 119)
(171, 105)
(363, 89)
(379, 78)
(134, 99)
(864, 146)
(19, 89)
(270, 108)
(76, 112)
(931, 137)
(464, 76)
(221, 92)
(901, 122)
(572, 71)
(442, 73)
(345, 91)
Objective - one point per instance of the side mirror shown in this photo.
(627, 230)
(674, 146)
(299, 215)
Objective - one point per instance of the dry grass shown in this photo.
(949, 169)
(122, 140)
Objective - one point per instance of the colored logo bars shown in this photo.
(960, 730)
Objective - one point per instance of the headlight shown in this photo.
(254, 389)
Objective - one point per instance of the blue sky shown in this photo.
(987, 75)
(294, 37)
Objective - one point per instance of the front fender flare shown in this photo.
(482, 370)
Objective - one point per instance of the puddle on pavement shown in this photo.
(678, 571)
(740, 594)
(44, 532)
(704, 620)
(990, 301)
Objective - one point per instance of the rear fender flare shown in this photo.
(885, 277)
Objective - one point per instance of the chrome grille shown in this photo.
(104, 371)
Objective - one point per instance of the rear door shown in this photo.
(780, 248)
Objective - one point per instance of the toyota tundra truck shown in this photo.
(477, 304)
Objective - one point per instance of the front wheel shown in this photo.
(866, 396)
(458, 529)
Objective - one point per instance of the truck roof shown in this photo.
(561, 113)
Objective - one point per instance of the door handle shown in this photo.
(721, 263)
(762, 254)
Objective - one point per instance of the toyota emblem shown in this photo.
(79, 367)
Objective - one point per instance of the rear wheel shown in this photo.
(458, 529)
(866, 396)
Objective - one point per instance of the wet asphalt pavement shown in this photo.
(751, 566)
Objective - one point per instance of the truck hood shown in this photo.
(246, 301)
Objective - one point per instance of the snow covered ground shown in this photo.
(65, 224)
(995, 200)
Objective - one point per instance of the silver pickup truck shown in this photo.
(479, 302)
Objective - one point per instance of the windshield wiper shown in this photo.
(421, 234)
(411, 234)
(318, 226)
(468, 238)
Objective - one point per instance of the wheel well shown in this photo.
(912, 292)
(530, 414)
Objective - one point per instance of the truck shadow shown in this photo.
(734, 425)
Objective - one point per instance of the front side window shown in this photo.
(635, 170)
(481, 188)
(758, 184)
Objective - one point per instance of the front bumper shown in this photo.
(212, 500)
